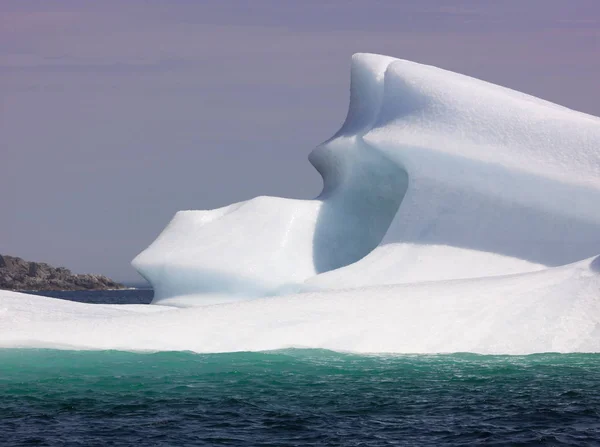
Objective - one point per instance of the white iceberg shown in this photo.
(456, 215)
(434, 175)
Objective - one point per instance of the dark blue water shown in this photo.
(296, 398)
(126, 296)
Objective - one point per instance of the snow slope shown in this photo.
(554, 310)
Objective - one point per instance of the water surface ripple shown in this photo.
(296, 398)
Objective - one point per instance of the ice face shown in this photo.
(433, 176)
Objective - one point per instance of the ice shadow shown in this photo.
(169, 280)
(362, 193)
(547, 222)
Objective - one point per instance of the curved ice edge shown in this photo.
(554, 310)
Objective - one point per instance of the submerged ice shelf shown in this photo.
(456, 215)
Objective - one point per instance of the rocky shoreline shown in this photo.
(18, 274)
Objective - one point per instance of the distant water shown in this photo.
(296, 398)
(125, 296)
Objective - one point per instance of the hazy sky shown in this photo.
(115, 115)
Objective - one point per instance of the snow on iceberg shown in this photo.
(433, 176)
(456, 215)
(553, 310)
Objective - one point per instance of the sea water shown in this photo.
(296, 398)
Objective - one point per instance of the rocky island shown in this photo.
(18, 274)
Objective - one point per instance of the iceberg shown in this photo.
(455, 215)
(433, 176)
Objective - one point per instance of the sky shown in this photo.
(115, 115)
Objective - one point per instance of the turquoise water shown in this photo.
(296, 398)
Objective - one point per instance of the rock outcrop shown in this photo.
(18, 274)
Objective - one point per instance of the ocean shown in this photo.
(293, 397)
